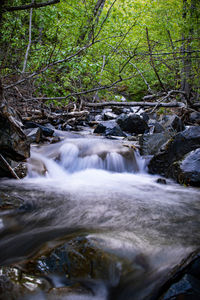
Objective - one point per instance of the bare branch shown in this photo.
(31, 5)
(40, 71)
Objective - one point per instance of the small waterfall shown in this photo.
(80, 154)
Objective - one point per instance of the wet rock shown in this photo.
(187, 288)
(194, 117)
(33, 135)
(78, 258)
(21, 170)
(161, 181)
(151, 143)
(109, 128)
(172, 123)
(15, 284)
(132, 123)
(13, 141)
(187, 171)
(174, 150)
(45, 130)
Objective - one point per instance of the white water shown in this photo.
(74, 155)
(101, 186)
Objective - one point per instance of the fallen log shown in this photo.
(141, 104)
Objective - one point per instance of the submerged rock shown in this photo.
(174, 151)
(132, 123)
(78, 258)
(16, 284)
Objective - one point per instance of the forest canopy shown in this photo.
(99, 49)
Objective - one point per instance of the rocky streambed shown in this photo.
(89, 221)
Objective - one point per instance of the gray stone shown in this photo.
(175, 150)
(173, 123)
(45, 130)
(151, 143)
(155, 127)
(33, 134)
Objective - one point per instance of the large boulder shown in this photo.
(132, 123)
(150, 144)
(175, 150)
(187, 171)
(186, 288)
(13, 141)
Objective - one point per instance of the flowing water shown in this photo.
(99, 189)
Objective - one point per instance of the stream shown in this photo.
(99, 189)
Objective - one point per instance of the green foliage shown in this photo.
(59, 31)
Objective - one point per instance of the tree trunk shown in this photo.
(187, 60)
(88, 29)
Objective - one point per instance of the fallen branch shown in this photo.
(8, 167)
(72, 114)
